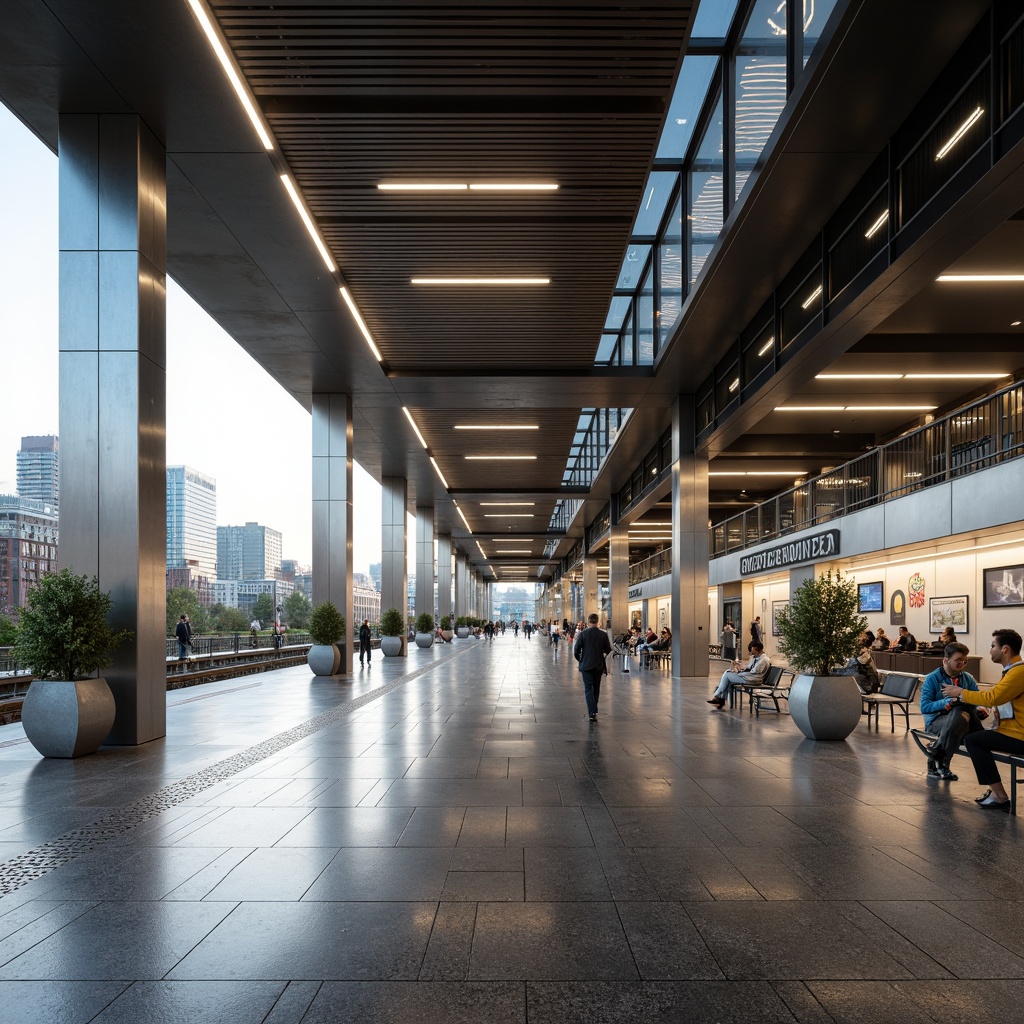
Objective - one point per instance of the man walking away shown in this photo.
(184, 637)
(591, 647)
(365, 641)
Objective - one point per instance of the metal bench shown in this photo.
(923, 738)
(898, 689)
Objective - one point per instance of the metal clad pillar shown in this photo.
(424, 560)
(461, 586)
(591, 596)
(332, 509)
(619, 578)
(444, 576)
(394, 581)
(689, 546)
(113, 517)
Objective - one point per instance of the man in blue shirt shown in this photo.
(946, 717)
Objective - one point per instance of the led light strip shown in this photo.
(877, 226)
(960, 132)
(471, 281)
(412, 423)
(308, 221)
(361, 323)
(459, 510)
(463, 186)
(437, 470)
(496, 426)
(500, 458)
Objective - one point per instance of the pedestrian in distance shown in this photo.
(365, 642)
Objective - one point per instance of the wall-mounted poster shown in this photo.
(916, 588)
(777, 607)
(898, 608)
(948, 611)
(1004, 586)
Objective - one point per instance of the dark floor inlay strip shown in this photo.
(20, 870)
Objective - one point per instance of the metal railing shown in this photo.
(658, 564)
(208, 645)
(975, 437)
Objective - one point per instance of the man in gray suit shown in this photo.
(590, 649)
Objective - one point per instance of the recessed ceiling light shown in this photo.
(1016, 323)
(877, 225)
(308, 221)
(500, 458)
(437, 470)
(213, 36)
(960, 132)
(505, 540)
(854, 408)
(509, 515)
(462, 517)
(954, 376)
(858, 376)
(486, 281)
(990, 278)
(361, 323)
(506, 504)
(412, 423)
(758, 472)
(513, 186)
(496, 426)
(806, 304)
(767, 346)
(422, 186)
(514, 551)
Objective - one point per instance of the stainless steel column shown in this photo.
(689, 546)
(461, 586)
(113, 517)
(394, 581)
(444, 576)
(618, 577)
(332, 510)
(424, 560)
(591, 597)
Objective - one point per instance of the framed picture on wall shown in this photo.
(870, 597)
(948, 611)
(1004, 586)
(777, 607)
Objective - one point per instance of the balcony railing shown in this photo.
(980, 435)
(658, 564)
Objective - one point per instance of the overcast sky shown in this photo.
(225, 415)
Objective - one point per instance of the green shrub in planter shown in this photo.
(425, 623)
(63, 633)
(326, 624)
(821, 628)
(446, 622)
(391, 623)
(461, 621)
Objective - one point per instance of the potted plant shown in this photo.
(818, 633)
(326, 628)
(425, 630)
(64, 638)
(462, 627)
(392, 634)
(446, 628)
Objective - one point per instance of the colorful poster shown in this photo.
(898, 608)
(916, 588)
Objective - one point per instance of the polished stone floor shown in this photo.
(447, 838)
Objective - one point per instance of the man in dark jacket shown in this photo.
(183, 633)
(592, 644)
(365, 641)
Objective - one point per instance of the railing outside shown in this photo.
(980, 435)
(207, 645)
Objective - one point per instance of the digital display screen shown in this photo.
(869, 597)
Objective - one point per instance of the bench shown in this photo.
(898, 689)
(774, 688)
(923, 738)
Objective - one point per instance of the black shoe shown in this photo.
(933, 769)
(946, 775)
(984, 796)
(935, 752)
(717, 701)
(593, 718)
(990, 803)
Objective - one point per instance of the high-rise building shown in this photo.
(365, 599)
(375, 574)
(28, 548)
(38, 470)
(250, 552)
(191, 521)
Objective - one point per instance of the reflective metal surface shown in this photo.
(393, 579)
(444, 575)
(332, 508)
(424, 559)
(461, 585)
(112, 393)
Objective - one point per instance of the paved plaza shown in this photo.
(447, 838)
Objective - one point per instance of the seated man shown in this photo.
(755, 672)
(905, 641)
(948, 718)
(862, 667)
(1008, 736)
(663, 643)
(881, 642)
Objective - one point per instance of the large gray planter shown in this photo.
(392, 646)
(324, 659)
(825, 707)
(68, 719)
(462, 632)
(424, 639)
(446, 635)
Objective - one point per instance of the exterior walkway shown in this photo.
(447, 838)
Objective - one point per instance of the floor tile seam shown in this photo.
(35, 863)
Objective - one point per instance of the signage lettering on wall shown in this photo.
(807, 549)
(635, 592)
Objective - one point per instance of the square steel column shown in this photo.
(461, 586)
(618, 577)
(689, 546)
(332, 510)
(444, 577)
(113, 518)
(424, 560)
(394, 581)
(591, 596)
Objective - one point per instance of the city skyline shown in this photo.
(225, 415)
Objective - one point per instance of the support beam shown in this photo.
(113, 261)
(591, 596)
(689, 546)
(332, 510)
(394, 580)
(444, 577)
(425, 561)
(618, 577)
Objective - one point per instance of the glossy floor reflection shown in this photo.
(447, 838)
